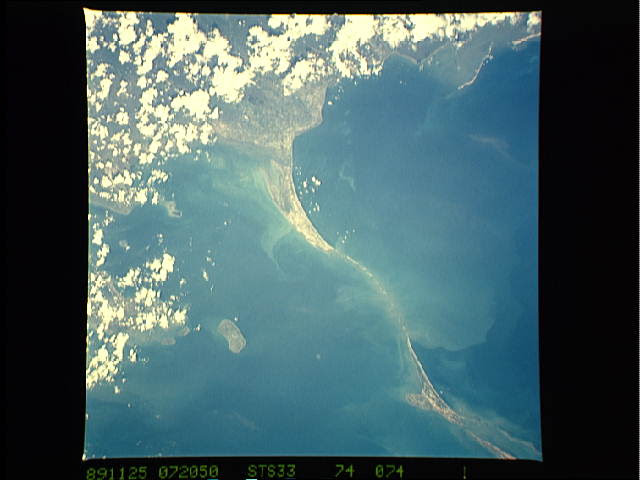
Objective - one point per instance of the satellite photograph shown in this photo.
(312, 235)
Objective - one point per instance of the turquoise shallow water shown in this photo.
(320, 356)
(436, 195)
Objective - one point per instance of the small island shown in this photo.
(170, 205)
(232, 333)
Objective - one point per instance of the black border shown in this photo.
(588, 172)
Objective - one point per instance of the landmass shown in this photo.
(232, 333)
(162, 86)
(170, 206)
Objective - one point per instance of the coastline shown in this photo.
(279, 174)
(215, 129)
(109, 205)
(283, 193)
(281, 188)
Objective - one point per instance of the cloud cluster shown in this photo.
(115, 317)
(161, 89)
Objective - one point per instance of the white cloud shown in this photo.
(394, 30)
(162, 113)
(97, 237)
(106, 182)
(137, 47)
(262, 58)
(154, 48)
(119, 343)
(101, 70)
(228, 84)
(126, 32)
(309, 69)
(317, 24)
(215, 75)
(273, 52)
(148, 96)
(217, 45)
(427, 26)
(124, 57)
(185, 38)
(157, 176)
(105, 86)
(473, 21)
(196, 102)
(205, 133)
(161, 76)
(102, 254)
(161, 267)
(92, 44)
(145, 295)
(180, 316)
(106, 343)
(534, 19)
(130, 279)
(141, 196)
(142, 82)
(155, 265)
(277, 20)
(296, 26)
(357, 30)
(91, 18)
(167, 262)
(122, 117)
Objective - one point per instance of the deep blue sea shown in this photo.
(433, 190)
(436, 192)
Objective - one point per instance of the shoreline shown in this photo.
(109, 205)
(288, 203)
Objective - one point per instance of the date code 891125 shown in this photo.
(163, 472)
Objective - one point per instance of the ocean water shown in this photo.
(435, 194)
(322, 372)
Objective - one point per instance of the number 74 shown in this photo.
(341, 469)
